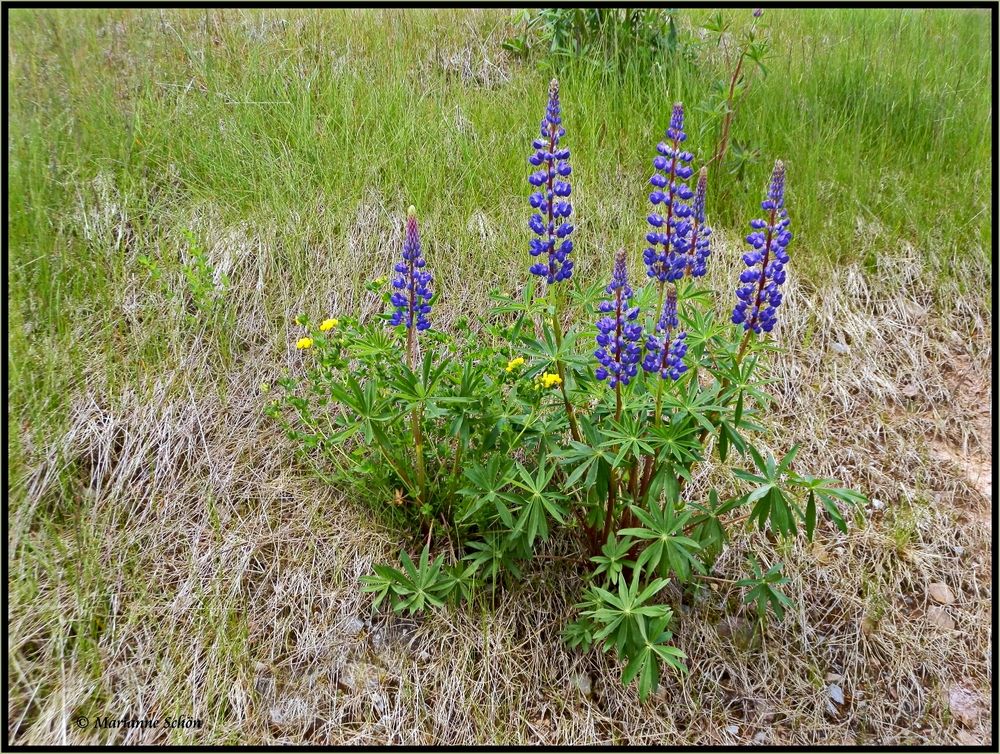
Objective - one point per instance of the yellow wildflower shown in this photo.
(547, 380)
(513, 364)
(304, 343)
(329, 324)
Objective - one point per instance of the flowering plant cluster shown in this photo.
(486, 442)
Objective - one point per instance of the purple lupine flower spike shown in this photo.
(665, 348)
(665, 257)
(758, 12)
(551, 222)
(759, 294)
(618, 334)
(411, 288)
(699, 245)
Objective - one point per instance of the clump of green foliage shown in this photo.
(486, 441)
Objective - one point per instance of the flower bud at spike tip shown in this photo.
(411, 211)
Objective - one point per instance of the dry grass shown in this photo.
(170, 555)
(215, 577)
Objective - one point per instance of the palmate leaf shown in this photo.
(644, 663)
(586, 298)
(486, 487)
(623, 617)
(414, 587)
(829, 495)
(416, 389)
(769, 499)
(579, 634)
(701, 327)
(694, 401)
(765, 590)
(492, 556)
(667, 549)
(547, 352)
(375, 342)
(676, 441)
(585, 461)
(613, 558)
(629, 435)
(538, 503)
(707, 528)
(466, 393)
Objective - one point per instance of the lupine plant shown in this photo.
(487, 441)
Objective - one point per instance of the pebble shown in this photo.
(354, 626)
(836, 693)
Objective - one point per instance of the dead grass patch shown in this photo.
(201, 569)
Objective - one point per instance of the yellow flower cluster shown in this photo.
(513, 364)
(329, 324)
(547, 380)
(304, 343)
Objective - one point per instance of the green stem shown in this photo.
(612, 498)
(570, 414)
(418, 440)
(415, 419)
(396, 467)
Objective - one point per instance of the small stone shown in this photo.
(733, 730)
(940, 593)
(964, 705)
(839, 347)
(877, 504)
(910, 391)
(584, 684)
(760, 737)
(354, 626)
(834, 677)
(939, 617)
(958, 550)
(836, 693)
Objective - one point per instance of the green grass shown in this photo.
(881, 115)
(307, 134)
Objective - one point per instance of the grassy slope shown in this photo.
(290, 144)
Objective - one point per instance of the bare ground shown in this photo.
(203, 571)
